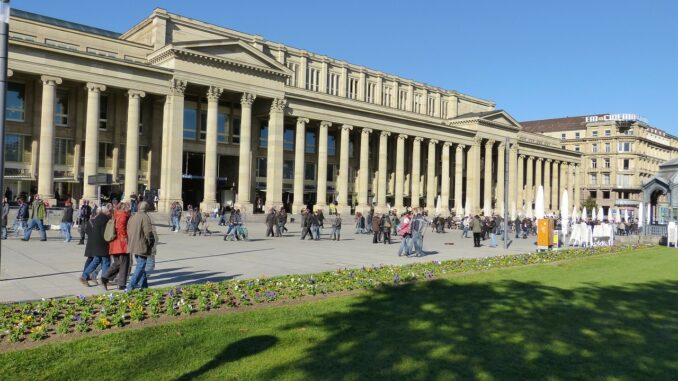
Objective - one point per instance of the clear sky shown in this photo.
(535, 58)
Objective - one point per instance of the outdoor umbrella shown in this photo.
(584, 215)
(539, 204)
(438, 200)
(574, 213)
(564, 206)
(618, 218)
(601, 214)
(626, 216)
(640, 215)
(648, 214)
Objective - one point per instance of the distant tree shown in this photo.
(589, 203)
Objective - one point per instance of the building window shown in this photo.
(331, 172)
(334, 83)
(103, 112)
(443, 111)
(594, 163)
(562, 136)
(607, 147)
(222, 123)
(576, 135)
(417, 103)
(143, 158)
(235, 134)
(386, 96)
(625, 147)
(263, 136)
(309, 171)
(594, 179)
(14, 148)
(625, 164)
(606, 179)
(288, 170)
(353, 88)
(331, 145)
(594, 147)
(371, 88)
(288, 139)
(61, 109)
(576, 148)
(16, 106)
(593, 194)
(606, 195)
(313, 79)
(190, 121)
(402, 99)
(594, 133)
(310, 142)
(294, 67)
(105, 155)
(608, 133)
(431, 106)
(63, 151)
(261, 167)
(606, 163)
(624, 181)
(122, 156)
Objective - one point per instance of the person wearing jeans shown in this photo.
(38, 214)
(139, 279)
(67, 221)
(5, 214)
(141, 242)
(97, 246)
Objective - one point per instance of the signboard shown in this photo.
(100, 179)
(608, 117)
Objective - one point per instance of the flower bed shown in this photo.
(63, 316)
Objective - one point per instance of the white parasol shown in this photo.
(618, 218)
(574, 213)
(626, 216)
(601, 214)
(539, 203)
(564, 206)
(584, 215)
(438, 200)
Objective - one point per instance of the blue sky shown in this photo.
(535, 59)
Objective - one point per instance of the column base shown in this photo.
(344, 210)
(296, 208)
(246, 208)
(273, 204)
(381, 209)
(323, 207)
(445, 211)
(362, 209)
(430, 211)
(164, 205)
(208, 206)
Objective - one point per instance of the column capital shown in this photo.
(460, 147)
(521, 156)
(95, 87)
(366, 131)
(433, 142)
(385, 134)
(549, 160)
(489, 144)
(49, 80)
(213, 93)
(501, 145)
(135, 94)
(302, 121)
(402, 136)
(325, 124)
(10, 73)
(447, 144)
(247, 99)
(278, 105)
(514, 147)
(540, 159)
(418, 139)
(477, 140)
(346, 127)
(177, 86)
(530, 158)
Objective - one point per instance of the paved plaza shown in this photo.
(34, 270)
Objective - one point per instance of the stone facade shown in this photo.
(205, 115)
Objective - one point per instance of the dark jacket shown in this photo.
(22, 213)
(97, 246)
(376, 223)
(85, 213)
(270, 219)
(68, 215)
(5, 213)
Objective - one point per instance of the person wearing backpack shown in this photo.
(96, 249)
(118, 250)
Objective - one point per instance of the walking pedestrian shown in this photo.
(38, 214)
(118, 249)
(176, 217)
(21, 217)
(386, 228)
(418, 225)
(404, 230)
(336, 228)
(315, 226)
(477, 229)
(83, 218)
(305, 224)
(5, 214)
(494, 230)
(376, 229)
(97, 246)
(67, 221)
(141, 243)
(270, 221)
(465, 223)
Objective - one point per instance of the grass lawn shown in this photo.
(610, 317)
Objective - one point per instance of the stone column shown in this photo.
(321, 192)
(343, 206)
(547, 185)
(381, 187)
(209, 200)
(416, 171)
(577, 186)
(91, 139)
(445, 180)
(458, 178)
(529, 187)
(173, 147)
(132, 142)
(299, 147)
(555, 186)
(46, 162)
(537, 178)
(400, 172)
(244, 203)
(513, 202)
(364, 171)
(487, 203)
(500, 178)
(274, 163)
(520, 200)
(563, 181)
(473, 177)
(431, 177)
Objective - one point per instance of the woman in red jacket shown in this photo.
(118, 249)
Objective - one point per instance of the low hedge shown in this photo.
(63, 316)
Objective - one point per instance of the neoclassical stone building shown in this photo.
(206, 114)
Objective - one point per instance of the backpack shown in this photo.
(109, 232)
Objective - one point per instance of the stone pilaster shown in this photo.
(445, 180)
(343, 206)
(132, 142)
(299, 147)
(473, 177)
(400, 172)
(173, 146)
(46, 162)
(520, 206)
(431, 177)
(209, 200)
(364, 171)
(487, 199)
(274, 162)
(514, 204)
(501, 159)
(91, 138)
(321, 192)
(381, 186)
(243, 201)
(547, 185)
(416, 171)
(458, 179)
(529, 187)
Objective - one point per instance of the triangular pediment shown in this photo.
(502, 117)
(232, 51)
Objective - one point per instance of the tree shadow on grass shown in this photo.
(505, 330)
(235, 351)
